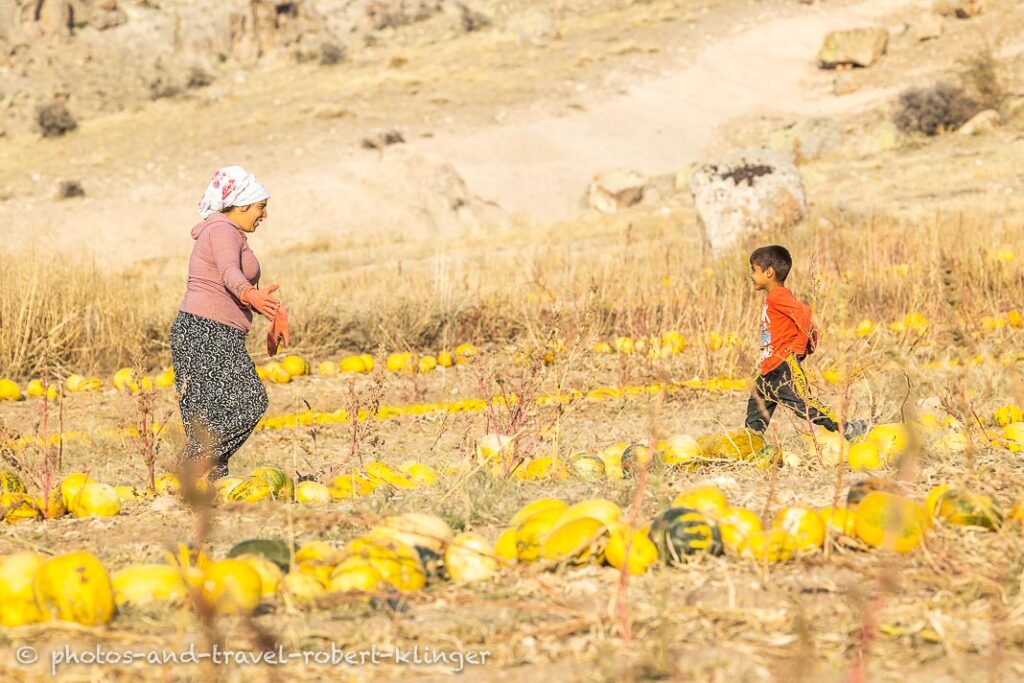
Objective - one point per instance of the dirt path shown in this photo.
(541, 166)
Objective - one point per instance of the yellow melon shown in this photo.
(296, 366)
(469, 557)
(736, 525)
(303, 587)
(840, 520)
(418, 529)
(578, 540)
(531, 532)
(631, 548)
(70, 486)
(681, 449)
(328, 368)
(587, 466)
(356, 574)
(18, 507)
(804, 524)
(97, 500)
(312, 492)
(865, 455)
(464, 352)
(770, 545)
(231, 587)
(708, 500)
(270, 573)
(494, 448)
(74, 587)
(168, 485)
(400, 362)
(891, 522)
(601, 509)
(148, 583)
(1008, 414)
(398, 563)
(505, 546)
(535, 506)
(9, 390)
(17, 576)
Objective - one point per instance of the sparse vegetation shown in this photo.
(55, 120)
(934, 110)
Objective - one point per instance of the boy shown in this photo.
(787, 336)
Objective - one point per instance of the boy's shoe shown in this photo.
(854, 429)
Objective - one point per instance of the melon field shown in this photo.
(629, 363)
(506, 443)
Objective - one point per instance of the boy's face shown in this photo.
(761, 278)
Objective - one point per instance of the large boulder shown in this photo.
(612, 191)
(745, 193)
(856, 47)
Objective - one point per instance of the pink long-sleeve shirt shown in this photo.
(221, 266)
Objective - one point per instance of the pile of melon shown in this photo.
(404, 553)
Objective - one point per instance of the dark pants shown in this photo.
(221, 396)
(787, 384)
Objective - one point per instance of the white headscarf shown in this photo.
(231, 186)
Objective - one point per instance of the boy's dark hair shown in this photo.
(773, 256)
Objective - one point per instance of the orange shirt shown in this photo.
(786, 328)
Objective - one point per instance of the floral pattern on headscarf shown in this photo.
(231, 186)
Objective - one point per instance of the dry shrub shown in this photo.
(981, 80)
(934, 109)
(55, 120)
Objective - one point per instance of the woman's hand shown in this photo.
(278, 332)
(261, 300)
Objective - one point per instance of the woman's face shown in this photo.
(250, 217)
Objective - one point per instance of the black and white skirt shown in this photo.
(221, 396)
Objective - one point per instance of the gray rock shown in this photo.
(745, 193)
(612, 191)
(856, 47)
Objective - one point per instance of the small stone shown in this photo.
(858, 47)
(612, 191)
(961, 9)
(984, 121)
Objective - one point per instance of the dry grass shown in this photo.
(633, 276)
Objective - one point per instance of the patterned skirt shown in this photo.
(221, 396)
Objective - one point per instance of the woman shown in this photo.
(221, 396)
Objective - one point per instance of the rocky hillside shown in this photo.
(104, 55)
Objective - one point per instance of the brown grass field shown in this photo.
(923, 241)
